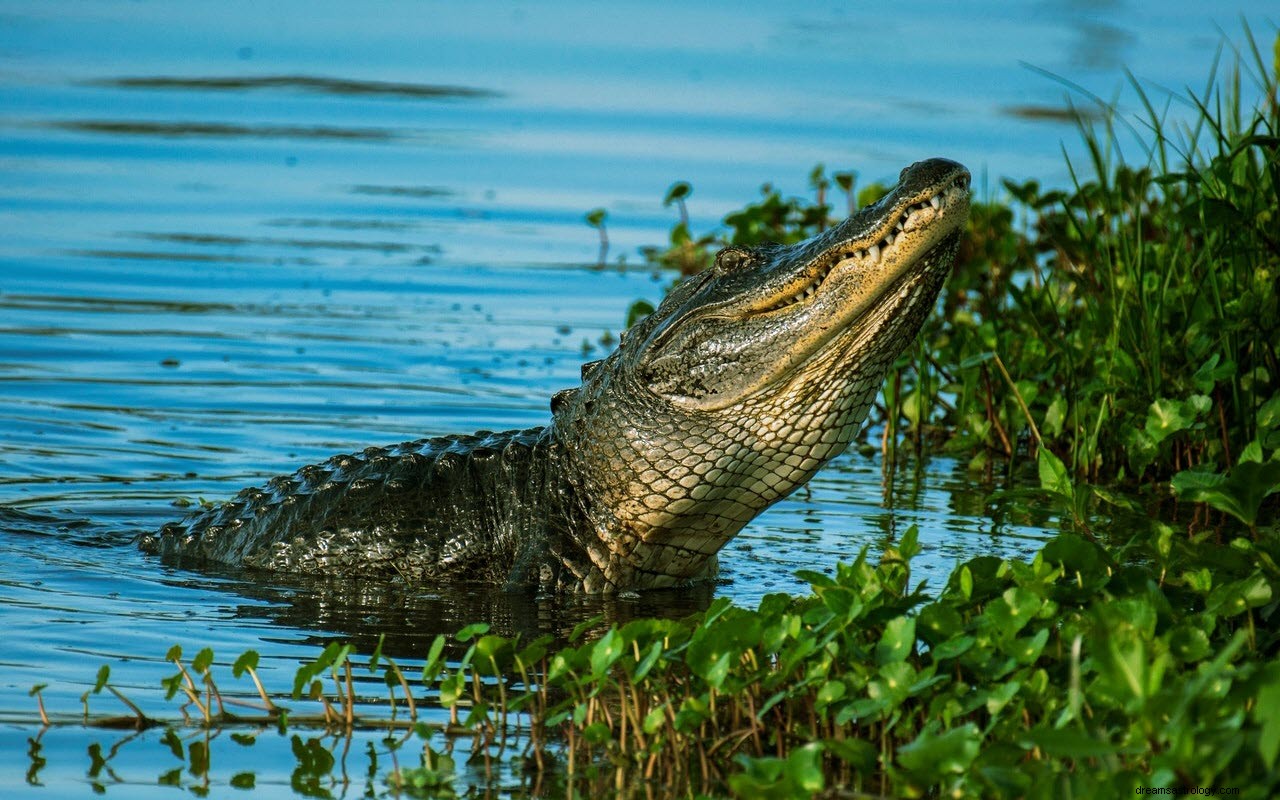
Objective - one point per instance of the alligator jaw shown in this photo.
(891, 249)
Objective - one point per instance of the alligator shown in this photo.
(744, 381)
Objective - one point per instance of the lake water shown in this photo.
(240, 237)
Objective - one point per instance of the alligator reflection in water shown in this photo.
(744, 382)
(363, 612)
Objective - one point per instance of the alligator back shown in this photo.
(449, 508)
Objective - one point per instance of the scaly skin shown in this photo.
(731, 395)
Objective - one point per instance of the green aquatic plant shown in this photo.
(1086, 671)
(1241, 490)
(595, 218)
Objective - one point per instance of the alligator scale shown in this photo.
(731, 395)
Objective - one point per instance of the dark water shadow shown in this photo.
(361, 611)
(181, 129)
(300, 83)
(1046, 113)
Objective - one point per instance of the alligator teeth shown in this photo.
(904, 224)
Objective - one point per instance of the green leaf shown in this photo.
(1188, 643)
(584, 626)
(932, 756)
(830, 692)
(198, 758)
(452, 688)
(1210, 373)
(1266, 711)
(638, 311)
(1053, 474)
(655, 719)
(471, 631)
(173, 741)
(432, 667)
(909, 547)
(1012, 611)
(953, 648)
(1055, 416)
(597, 733)
(897, 641)
(1239, 493)
(492, 654)
(678, 191)
(104, 674)
(1236, 597)
(248, 660)
(645, 665)
(804, 768)
(607, 650)
(203, 660)
(1269, 415)
(1067, 743)
(1166, 417)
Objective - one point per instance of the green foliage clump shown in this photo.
(1086, 672)
(1075, 671)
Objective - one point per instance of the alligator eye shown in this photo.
(732, 258)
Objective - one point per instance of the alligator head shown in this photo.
(746, 380)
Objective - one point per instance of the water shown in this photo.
(240, 237)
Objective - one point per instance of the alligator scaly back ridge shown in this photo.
(441, 509)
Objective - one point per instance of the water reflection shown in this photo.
(1098, 41)
(304, 83)
(173, 130)
(223, 240)
(410, 616)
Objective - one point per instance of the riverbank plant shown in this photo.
(1083, 672)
